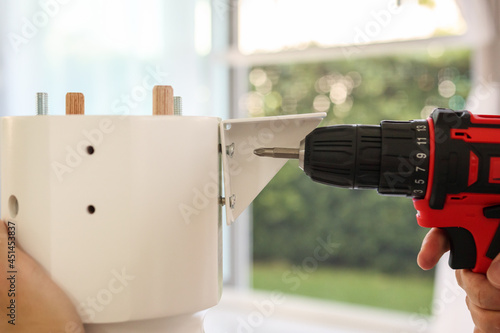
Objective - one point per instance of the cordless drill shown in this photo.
(449, 164)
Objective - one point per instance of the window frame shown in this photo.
(481, 31)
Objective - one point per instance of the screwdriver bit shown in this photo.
(278, 152)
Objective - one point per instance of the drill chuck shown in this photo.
(392, 157)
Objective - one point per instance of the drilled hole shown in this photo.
(91, 209)
(90, 150)
(13, 206)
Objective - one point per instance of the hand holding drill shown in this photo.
(483, 291)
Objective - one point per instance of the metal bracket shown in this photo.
(246, 174)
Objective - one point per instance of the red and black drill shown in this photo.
(449, 164)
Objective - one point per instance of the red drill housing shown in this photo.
(463, 196)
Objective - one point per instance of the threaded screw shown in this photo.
(177, 106)
(42, 104)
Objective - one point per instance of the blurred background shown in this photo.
(341, 261)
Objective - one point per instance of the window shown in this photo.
(273, 26)
(113, 52)
(295, 57)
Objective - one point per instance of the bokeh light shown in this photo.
(273, 100)
(447, 88)
(457, 102)
(355, 92)
(427, 110)
(338, 93)
(342, 110)
(321, 103)
(253, 102)
(257, 77)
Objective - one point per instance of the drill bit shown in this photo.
(277, 152)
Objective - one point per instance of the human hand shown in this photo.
(483, 296)
(434, 245)
(40, 305)
(483, 291)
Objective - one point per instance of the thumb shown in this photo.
(493, 272)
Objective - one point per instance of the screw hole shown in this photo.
(13, 206)
(227, 127)
(91, 209)
(90, 150)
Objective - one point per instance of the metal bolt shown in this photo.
(230, 150)
(232, 201)
(177, 106)
(42, 103)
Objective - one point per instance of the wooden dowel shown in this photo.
(163, 100)
(75, 103)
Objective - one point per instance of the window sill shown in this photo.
(265, 312)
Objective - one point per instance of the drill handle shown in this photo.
(464, 249)
(473, 229)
